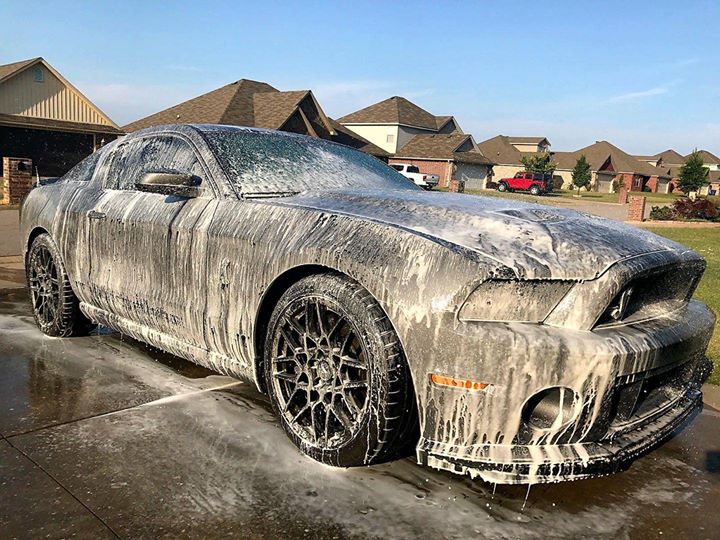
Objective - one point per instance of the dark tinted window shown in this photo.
(83, 171)
(153, 154)
(267, 162)
(397, 167)
(413, 169)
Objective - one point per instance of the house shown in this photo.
(507, 152)
(257, 104)
(391, 123)
(711, 161)
(671, 161)
(668, 158)
(450, 156)
(46, 119)
(608, 164)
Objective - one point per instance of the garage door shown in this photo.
(474, 176)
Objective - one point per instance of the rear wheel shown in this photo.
(502, 186)
(55, 307)
(535, 190)
(336, 374)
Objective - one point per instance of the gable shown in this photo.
(38, 91)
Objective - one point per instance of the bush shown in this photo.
(647, 189)
(662, 213)
(697, 209)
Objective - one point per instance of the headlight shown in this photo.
(507, 301)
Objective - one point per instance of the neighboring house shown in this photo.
(257, 104)
(392, 123)
(671, 161)
(507, 152)
(450, 156)
(609, 163)
(45, 118)
(711, 161)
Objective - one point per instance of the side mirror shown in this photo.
(179, 184)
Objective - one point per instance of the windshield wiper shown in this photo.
(267, 194)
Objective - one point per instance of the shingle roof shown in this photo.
(271, 109)
(395, 110)
(7, 70)
(447, 147)
(708, 158)
(501, 151)
(16, 120)
(229, 104)
(597, 154)
(670, 157)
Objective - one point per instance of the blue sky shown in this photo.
(643, 75)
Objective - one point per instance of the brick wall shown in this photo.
(429, 167)
(17, 179)
(636, 208)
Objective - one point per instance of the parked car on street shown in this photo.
(425, 181)
(535, 183)
(514, 342)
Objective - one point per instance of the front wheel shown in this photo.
(502, 186)
(336, 374)
(55, 307)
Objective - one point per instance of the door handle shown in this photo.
(93, 214)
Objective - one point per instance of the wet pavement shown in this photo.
(104, 437)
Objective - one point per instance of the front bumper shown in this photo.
(559, 463)
(481, 433)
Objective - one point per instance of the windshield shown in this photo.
(260, 162)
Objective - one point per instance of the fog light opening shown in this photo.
(551, 408)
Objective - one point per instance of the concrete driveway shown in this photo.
(103, 437)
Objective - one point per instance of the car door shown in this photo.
(147, 250)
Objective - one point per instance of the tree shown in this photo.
(581, 173)
(539, 163)
(693, 174)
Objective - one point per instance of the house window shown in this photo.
(390, 138)
(38, 75)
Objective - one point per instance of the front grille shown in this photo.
(640, 399)
(652, 294)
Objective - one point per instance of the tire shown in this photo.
(502, 186)
(534, 190)
(359, 408)
(55, 307)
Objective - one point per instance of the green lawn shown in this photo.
(707, 243)
(589, 196)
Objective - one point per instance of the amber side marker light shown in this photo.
(452, 382)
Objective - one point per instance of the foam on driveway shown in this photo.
(107, 437)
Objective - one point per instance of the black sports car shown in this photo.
(512, 341)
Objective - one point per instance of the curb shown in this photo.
(711, 395)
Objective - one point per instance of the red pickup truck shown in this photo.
(535, 183)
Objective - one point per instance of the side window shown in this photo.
(153, 154)
(397, 167)
(83, 171)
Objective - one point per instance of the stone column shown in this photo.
(636, 210)
(18, 180)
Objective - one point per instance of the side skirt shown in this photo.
(209, 359)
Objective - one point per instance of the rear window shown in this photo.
(412, 168)
(260, 162)
(397, 167)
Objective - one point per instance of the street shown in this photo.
(104, 437)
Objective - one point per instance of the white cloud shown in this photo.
(636, 96)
